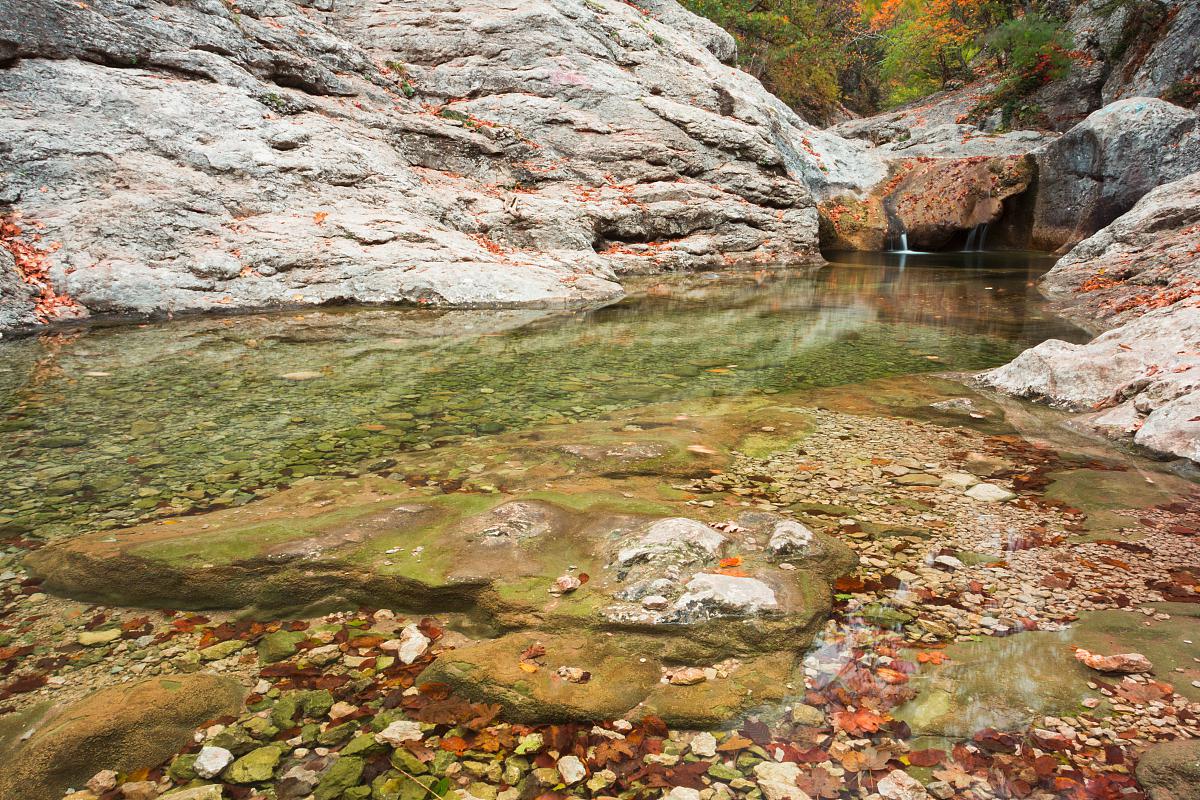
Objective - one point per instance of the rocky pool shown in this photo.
(529, 554)
(104, 426)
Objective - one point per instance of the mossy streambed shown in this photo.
(104, 427)
(733, 503)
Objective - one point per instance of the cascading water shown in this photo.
(976, 239)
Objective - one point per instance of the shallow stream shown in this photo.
(104, 426)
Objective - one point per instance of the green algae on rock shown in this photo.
(47, 750)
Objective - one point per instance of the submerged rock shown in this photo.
(47, 750)
(1171, 770)
(708, 596)
(679, 540)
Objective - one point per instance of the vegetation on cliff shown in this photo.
(866, 55)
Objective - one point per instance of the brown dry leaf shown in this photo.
(734, 743)
(320, 216)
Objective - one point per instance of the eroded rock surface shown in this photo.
(192, 156)
(1138, 380)
(1101, 167)
(1145, 258)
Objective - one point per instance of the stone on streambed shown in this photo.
(1003, 683)
(626, 679)
(123, 728)
(1006, 682)
(989, 493)
(1171, 770)
(677, 540)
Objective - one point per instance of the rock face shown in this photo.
(944, 181)
(1138, 380)
(1101, 167)
(1144, 258)
(122, 728)
(1140, 377)
(192, 156)
(17, 297)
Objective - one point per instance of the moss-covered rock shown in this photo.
(123, 728)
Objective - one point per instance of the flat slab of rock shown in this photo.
(122, 728)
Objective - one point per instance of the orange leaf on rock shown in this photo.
(857, 722)
(734, 743)
(455, 744)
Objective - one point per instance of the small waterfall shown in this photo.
(976, 239)
(904, 242)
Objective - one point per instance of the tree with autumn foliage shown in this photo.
(930, 44)
(812, 54)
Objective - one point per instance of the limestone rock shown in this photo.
(1145, 254)
(1100, 168)
(571, 769)
(989, 493)
(123, 728)
(788, 537)
(899, 785)
(1171, 770)
(572, 141)
(778, 781)
(211, 760)
(410, 646)
(678, 539)
(17, 298)
(711, 596)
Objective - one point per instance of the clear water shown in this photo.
(104, 426)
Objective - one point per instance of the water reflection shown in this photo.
(104, 426)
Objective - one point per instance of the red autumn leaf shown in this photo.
(926, 758)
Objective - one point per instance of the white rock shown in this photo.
(789, 536)
(989, 493)
(711, 595)
(950, 562)
(211, 760)
(899, 785)
(704, 745)
(571, 769)
(409, 646)
(959, 480)
(682, 793)
(778, 781)
(673, 536)
(399, 732)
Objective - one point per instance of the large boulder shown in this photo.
(194, 155)
(1101, 167)
(1171, 770)
(1137, 381)
(1143, 260)
(47, 750)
